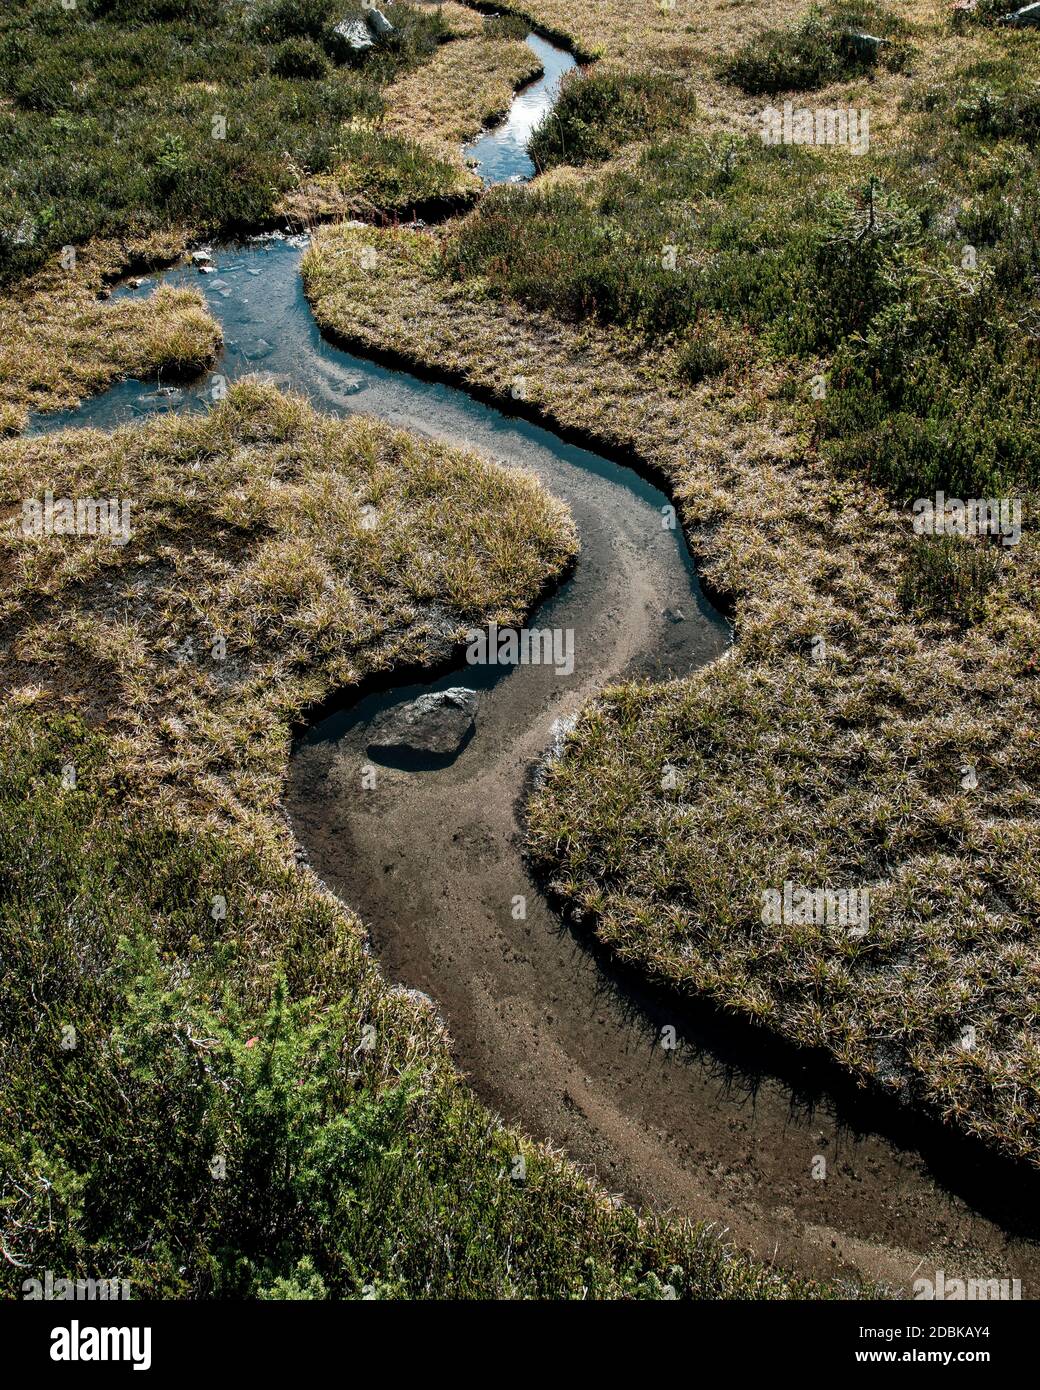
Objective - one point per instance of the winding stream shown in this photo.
(726, 1126)
(501, 154)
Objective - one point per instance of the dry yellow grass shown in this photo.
(467, 84)
(319, 550)
(61, 341)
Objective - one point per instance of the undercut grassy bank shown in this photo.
(467, 84)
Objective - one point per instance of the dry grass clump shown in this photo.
(60, 341)
(844, 745)
(275, 555)
(467, 84)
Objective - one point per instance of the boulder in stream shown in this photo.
(437, 724)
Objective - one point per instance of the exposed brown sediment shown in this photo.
(566, 1042)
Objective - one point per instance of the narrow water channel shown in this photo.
(501, 154)
(727, 1126)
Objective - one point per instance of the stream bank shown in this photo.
(552, 1035)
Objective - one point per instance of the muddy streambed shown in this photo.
(727, 1125)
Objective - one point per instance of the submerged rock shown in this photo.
(438, 723)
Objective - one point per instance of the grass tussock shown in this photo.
(950, 577)
(61, 341)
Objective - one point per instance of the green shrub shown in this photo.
(299, 57)
(706, 352)
(949, 577)
(825, 47)
(277, 20)
(506, 26)
(998, 110)
(597, 113)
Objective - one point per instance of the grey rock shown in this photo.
(355, 33)
(378, 22)
(438, 723)
(866, 46)
(1029, 16)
